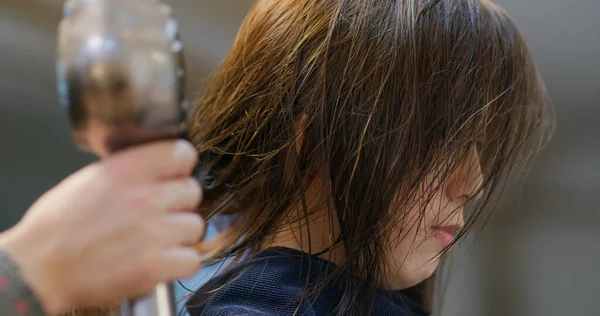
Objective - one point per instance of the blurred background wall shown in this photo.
(538, 255)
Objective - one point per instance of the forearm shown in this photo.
(16, 297)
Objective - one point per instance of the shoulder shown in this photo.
(284, 282)
(269, 285)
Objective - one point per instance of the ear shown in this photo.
(299, 129)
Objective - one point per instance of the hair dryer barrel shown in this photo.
(121, 75)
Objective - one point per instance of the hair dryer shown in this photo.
(121, 79)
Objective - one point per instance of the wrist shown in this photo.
(31, 259)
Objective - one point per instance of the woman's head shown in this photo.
(377, 120)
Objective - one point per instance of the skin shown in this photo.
(114, 229)
(416, 257)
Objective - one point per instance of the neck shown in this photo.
(314, 237)
(315, 233)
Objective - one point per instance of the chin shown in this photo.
(411, 274)
(424, 272)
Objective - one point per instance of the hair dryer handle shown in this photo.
(158, 303)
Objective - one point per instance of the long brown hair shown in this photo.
(389, 90)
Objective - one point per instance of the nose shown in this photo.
(466, 182)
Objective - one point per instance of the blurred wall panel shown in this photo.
(36, 147)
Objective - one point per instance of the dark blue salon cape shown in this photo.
(272, 282)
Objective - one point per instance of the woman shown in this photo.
(345, 138)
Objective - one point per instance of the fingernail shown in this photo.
(183, 150)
